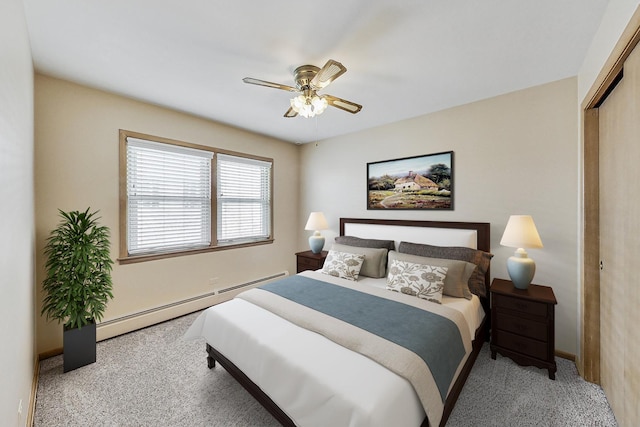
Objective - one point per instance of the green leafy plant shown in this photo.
(78, 283)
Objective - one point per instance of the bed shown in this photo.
(309, 374)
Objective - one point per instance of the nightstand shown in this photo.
(307, 260)
(522, 324)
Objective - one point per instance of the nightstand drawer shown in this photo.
(528, 328)
(307, 260)
(519, 304)
(521, 344)
(309, 264)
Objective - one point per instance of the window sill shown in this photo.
(152, 257)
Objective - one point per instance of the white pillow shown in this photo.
(343, 264)
(422, 281)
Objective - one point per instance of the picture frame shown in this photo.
(422, 182)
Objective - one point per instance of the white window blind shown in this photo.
(244, 199)
(168, 197)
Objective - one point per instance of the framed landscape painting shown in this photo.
(421, 182)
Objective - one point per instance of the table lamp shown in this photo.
(521, 233)
(316, 222)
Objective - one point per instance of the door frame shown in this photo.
(610, 74)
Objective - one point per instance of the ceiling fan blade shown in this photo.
(343, 104)
(290, 113)
(331, 71)
(253, 81)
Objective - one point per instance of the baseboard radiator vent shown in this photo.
(142, 319)
(261, 281)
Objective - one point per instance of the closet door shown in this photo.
(620, 245)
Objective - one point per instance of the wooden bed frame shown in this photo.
(482, 333)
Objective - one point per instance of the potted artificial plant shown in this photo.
(78, 283)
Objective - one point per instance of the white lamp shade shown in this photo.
(521, 232)
(316, 221)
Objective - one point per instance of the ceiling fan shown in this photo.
(309, 80)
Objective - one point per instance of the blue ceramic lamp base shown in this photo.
(521, 269)
(316, 243)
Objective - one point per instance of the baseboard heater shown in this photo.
(253, 282)
(141, 319)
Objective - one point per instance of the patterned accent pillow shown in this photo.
(419, 280)
(458, 273)
(480, 258)
(343, 264)
(375, 259)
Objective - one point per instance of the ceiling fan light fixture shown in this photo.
(309, 79)
(319, 104)
(309, 105)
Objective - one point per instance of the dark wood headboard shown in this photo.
(482, 228)
(483, 232)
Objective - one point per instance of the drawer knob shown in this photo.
(521, 305)
(521, 327)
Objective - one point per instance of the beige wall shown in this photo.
(513, 154)
(16, 215)
(76, 161)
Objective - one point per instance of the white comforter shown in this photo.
(312, 379)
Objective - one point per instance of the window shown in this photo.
(168, 197)
(170, 205)
(244, 198)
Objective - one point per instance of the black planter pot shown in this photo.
(79, 347)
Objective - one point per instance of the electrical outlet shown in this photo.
(213, 281)
(20, 408)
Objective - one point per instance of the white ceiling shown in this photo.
(404, 58)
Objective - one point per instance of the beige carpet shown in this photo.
(154, 378)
